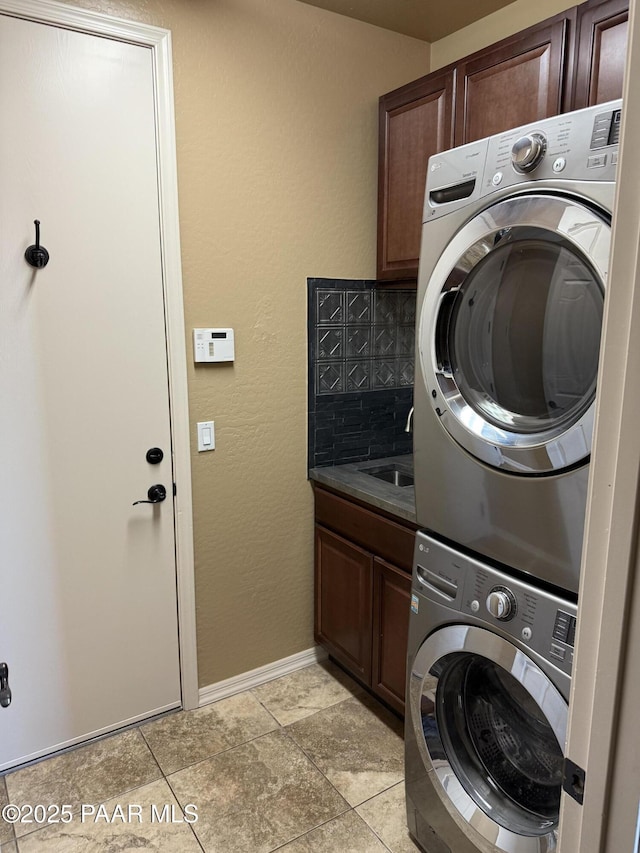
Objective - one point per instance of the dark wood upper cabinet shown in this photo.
(573, 60)
(518, 80)
(601, 39)
(416, 121)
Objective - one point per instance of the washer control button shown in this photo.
(528, 151)
(475, 605)
(558, 164)
(526, 633)
(501, 603)
(557, 651)
(497, 179)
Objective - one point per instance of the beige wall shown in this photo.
(276, 114)
(494, 27)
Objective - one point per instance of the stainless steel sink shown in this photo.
(390, 474)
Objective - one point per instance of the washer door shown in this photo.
(509, 334)
(491, 729)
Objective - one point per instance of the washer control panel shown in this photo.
(535, 617)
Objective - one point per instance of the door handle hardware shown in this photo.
(37, 255)
(5, 690)
(154, 456)
(155, 495)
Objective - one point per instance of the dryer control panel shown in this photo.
(540, 620)
(576, 146)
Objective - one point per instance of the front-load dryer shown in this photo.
(513, 270)
(488, 679)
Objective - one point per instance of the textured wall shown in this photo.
(276, 114)
(517, 16)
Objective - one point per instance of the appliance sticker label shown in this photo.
(414, 603)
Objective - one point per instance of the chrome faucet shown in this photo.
(410, 416)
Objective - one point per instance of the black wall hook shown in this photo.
(37, 255)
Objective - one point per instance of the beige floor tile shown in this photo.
(9, 847)
(257, 796)
(89, 774)
(306, 691)
(346, 834)
(137, 828)
(188, 736)
(356, 744)
(386, 815)
(6, 829)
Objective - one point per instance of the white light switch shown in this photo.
(206, 436)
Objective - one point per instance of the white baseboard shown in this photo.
(255, 677)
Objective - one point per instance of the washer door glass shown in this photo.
(510, 332)
(491, 727)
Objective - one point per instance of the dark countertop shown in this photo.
(351, 479)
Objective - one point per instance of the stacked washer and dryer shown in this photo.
(513, 270)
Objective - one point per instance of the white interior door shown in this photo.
(88, 623)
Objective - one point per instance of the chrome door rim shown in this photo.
(588, 233)
(467, 639)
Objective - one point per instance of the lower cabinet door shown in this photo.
(391, 605)
(343, 596)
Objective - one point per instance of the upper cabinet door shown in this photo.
(518, 80)
(416, 121)
(601, 51)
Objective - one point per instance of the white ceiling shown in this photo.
(429, 20)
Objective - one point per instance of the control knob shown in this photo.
(528, 151)
(501, 604)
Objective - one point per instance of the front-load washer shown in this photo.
(513, 270)
(488, 679)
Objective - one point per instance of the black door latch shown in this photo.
(5, 690)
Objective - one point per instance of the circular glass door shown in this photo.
(491, 726)
(510, 332)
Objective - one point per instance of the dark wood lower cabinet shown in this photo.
(362, 601)
(343, 580)
(391, 604)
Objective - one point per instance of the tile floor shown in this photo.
(308, 763)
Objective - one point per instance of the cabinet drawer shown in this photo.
(382, 536)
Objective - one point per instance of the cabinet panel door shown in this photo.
(519, 80)
(343, 595)
(391, 603)
(601, 52)
(415, 122)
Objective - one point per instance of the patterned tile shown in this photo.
(88, 774)
(189, 736)
(385, 308)
(358, 376)
(356, 744)
(345, 834)
(405, 370)
(139, 828)
(384, 341)
(330, 306)
(358, 342)
(6, 829)
(257, 796)
(359, 307)
(330, 378)
(384, 373)
(386, 815)
(405, 340)
(295, 696)
(330, 343)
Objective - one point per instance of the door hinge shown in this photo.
(573, 780)
(175, 490)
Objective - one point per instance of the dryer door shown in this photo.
(491, 729)
(509, 334)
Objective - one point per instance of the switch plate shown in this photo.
(206, 436)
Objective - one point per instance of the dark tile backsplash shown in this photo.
(361, 364)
